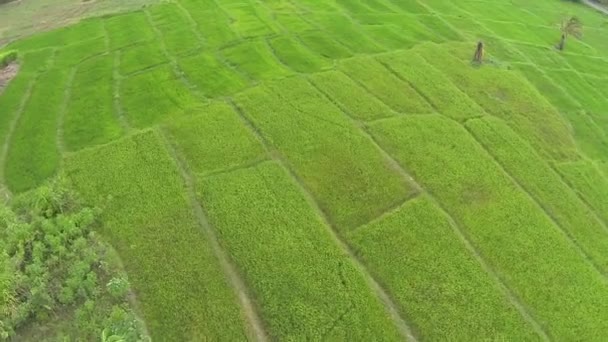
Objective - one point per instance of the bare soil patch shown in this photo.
(7, 74)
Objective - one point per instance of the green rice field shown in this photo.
(330, 170)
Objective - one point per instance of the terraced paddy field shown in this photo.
(332, 170)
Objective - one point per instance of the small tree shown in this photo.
(570, 27)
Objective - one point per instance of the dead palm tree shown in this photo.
(570, 27)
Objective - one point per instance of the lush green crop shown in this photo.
(74, 54)
(90, 117)
(150, 97)
(215, 138)
(216, 32)
(544, 185)
(296, 56)
(516, 238)
(433, 85)
(248, 21)
(323, 45)
(305, 286)
(255, 59)
(438, 283)
(177, 33)
(346, 32)
(352, 97)
(587, 179)
(141, 57)
(149, 221)
(128, 29)
(265, 103)
(379, 81)
(211, 76)
(33, 154)
(318, 141)
(509, 96)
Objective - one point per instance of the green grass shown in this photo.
(33, 154)
(379, 81)
(177, 280)
(90, 118)
(304, 285)
(255, 59)
(227, 142)
(352, 97)
(544, 185)
(589, 182)
(153, 96)
(437, 283)
(316, 139)
(502, 222)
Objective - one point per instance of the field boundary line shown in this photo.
(538, 204)
(389, 305)
(116, 84)
(255, 325)
(513, 299)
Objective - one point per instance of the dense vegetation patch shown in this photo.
(58, 279)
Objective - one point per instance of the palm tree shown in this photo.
(570, 27)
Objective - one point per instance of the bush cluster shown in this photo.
(53, 265)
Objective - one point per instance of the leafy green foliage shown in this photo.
(55, 265)
(7, 57)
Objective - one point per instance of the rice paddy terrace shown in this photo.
(333, 170)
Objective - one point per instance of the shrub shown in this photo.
(7, 57)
